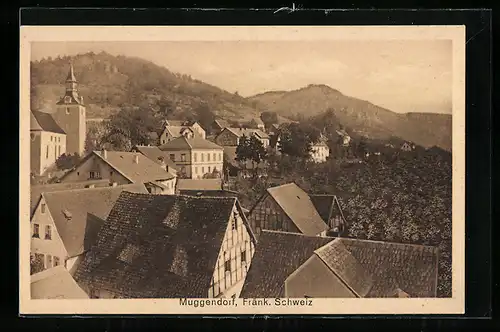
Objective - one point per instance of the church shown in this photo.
(60, 132)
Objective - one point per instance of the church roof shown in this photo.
(41, 121)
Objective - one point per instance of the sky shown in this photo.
(403, 76)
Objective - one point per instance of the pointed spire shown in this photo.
(71, 74)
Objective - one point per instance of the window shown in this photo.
(172, 157)
(56, 261)
(215, 156)
(36, 231)
(183, 157)
(202, 157)
(195, 157)
(48, 233)
(208, 169)
(227, 266)
(208, 156)
(47, 153)
(48, 261)
(196, 170)
(67, 99)
(220, 156)
(51, 137)
(43, 208)
(95, 175)
(59, 139)
(244, 256)
(202, 170)
(233, 224)
(32, 136)
(110, 173)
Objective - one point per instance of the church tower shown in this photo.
(70, 116)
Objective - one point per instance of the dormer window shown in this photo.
(67, 100)
(67, 214)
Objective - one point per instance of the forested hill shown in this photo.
(109, 83)
(363, 117)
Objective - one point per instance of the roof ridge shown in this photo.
(298, 234)
(399, 244)
(128, 185)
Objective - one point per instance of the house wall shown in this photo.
(226, 138)
(49, 248)
(315, 279)
(199, 129)
(237, 240)
(319, 153)
(205, 161)
(93, 164)
(182, 166)
(46, 147)
(71, 118)
(170, 186)
(268, 215)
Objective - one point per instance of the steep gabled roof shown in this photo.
(37, 190)
(297, 205)
(393, 266)
(183, 143)
(154, 153)
(221, 123)
(158, 246)
(74, 213)
(276, 256)
(248, 132)
(41, 121)
(144, 171)
(55, 283)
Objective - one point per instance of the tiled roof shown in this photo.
(209, 193)
(298, 206)
(158, 246)
(179, 123)
(248, 132)
(55, 283)
(44, 121)
(277, 255)
(83, 205)
(183, 143)
(411, 268)
(177, 131)
(199, 184)
(342, 263)
(153, 153)
(37, 190)
(222, 123)
(144, 171)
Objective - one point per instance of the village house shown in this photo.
(273, 129)
(286, 208)
(231, 136)
(124, 168)
(330, 211)
(296, 266)
(346, 139)
(48, 142)
(320, 152)
(407, 147)
(158, 156)
(70, 115)
(218, 125)
(64, 223)
(195, 158)
(175, 128)
(55, 283)
(258, 124)
(169, 247)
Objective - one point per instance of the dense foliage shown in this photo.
(396, 196)
(67, 161)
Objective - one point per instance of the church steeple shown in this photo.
(71, 83)
(71, 95)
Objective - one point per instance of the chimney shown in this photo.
(136, 159)
(104, 153)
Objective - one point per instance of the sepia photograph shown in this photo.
(270, 170)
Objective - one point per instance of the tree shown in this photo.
(67, 161)
(297, 139)
(36, 263)
(251, 149)
(131, 126)
(269, 118)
